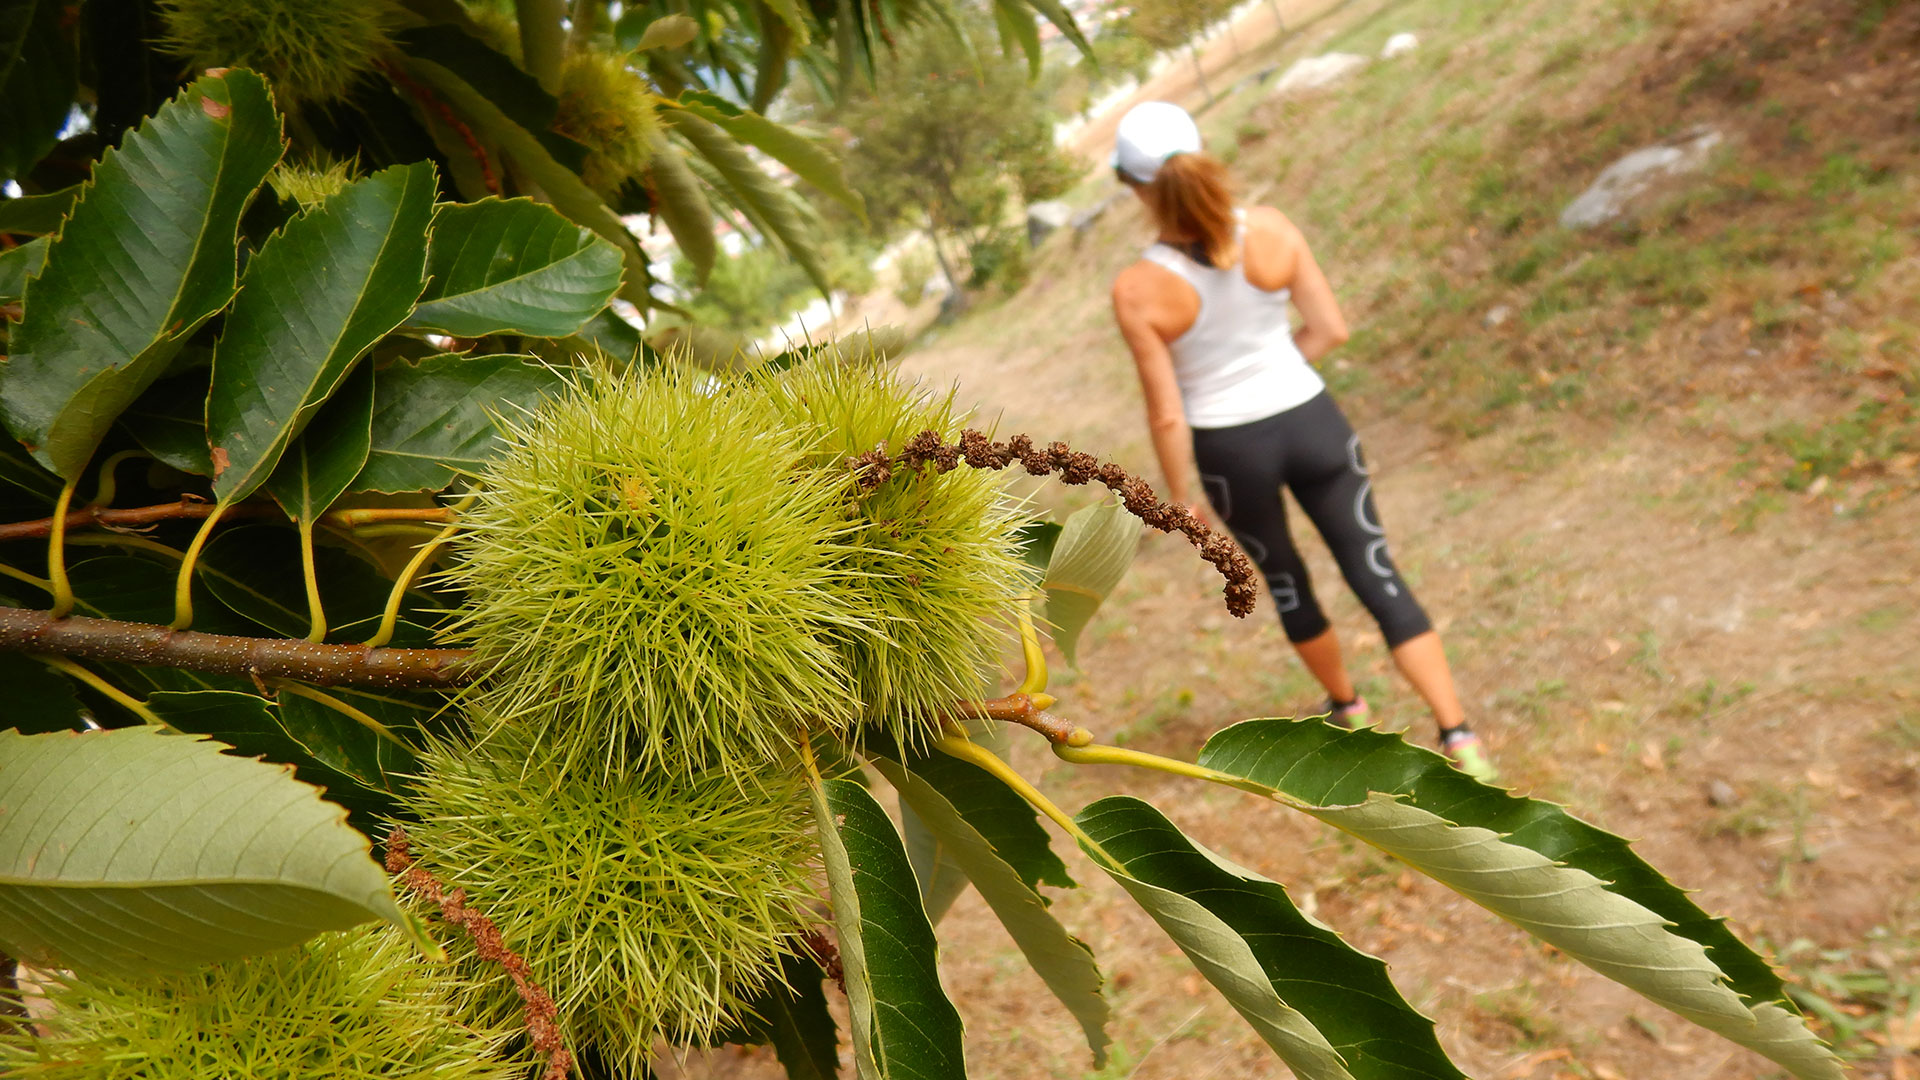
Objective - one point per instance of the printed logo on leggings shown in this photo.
(1377, 559)
(1286, 595)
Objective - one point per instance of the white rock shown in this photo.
(1621, 182)
(1401, 42)
(1497, 316)
(1045, 217)
(1317, 71)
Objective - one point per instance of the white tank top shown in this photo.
(1237, 363)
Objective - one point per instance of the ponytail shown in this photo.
(1191, 199)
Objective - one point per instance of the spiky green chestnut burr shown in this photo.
(353, 1005)
(313, 52)
(933, 557)
(649, 904)
(609, 110)
(650, 574)
(307, 186)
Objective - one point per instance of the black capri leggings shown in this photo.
(1313, 450)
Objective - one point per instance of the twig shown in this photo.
(1027, 710)
(191, 509)
(540, 1010)
(23, 630)
(877, 466)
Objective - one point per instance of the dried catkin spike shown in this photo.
(930, 448)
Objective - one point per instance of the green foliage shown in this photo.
(37, 81)
(929, 556)
(913, 270)
(650, 578)
(146, 256)
(1000, 259)
(1265, 751)
(904, 1028)
(648, 902)
(137, 850)
(1087, 560)
(320, 293)
(936, 790)
(1328, 992)
(433, 420)
(513, 267)
(1563, 905)
(353, 1005)
(1167, 24)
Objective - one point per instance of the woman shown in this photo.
(1230, 391)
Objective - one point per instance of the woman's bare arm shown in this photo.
(1291, 265)
(1133, 309)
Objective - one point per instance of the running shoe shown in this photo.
(1354, 714)
(1462, 747)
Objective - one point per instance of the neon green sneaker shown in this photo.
(1354, 714)
(1462, 747)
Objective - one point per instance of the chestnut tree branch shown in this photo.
(24, 630)
(194, 510)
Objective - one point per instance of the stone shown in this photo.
(1620, 183)
(1721, 794)
(1314, 72)
(1497, 316)
(1398, 45)
(1084, 219)
(1045, 218)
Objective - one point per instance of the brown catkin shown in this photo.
(875, 467)
(543, 1028)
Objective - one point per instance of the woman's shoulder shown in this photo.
(1269, 221)
(1143, 275)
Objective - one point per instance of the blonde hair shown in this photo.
(1191, 199)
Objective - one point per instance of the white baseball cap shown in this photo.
(1150, 133)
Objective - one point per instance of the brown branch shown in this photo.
(190, 509)
(540, 1010)
(876, 467)
(23, 630)
(186, 509)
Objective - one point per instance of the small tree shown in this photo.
(1173, 24)
(947, 144)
